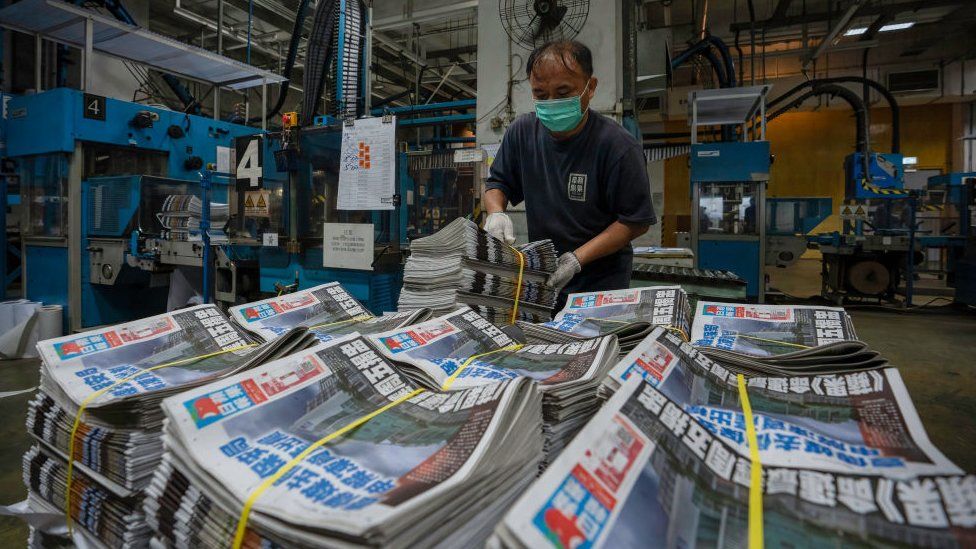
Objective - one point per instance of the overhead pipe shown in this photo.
(702, 48)
(852, 99)
(296, 38)
(880, 88)
(752, 43)
(723, 50)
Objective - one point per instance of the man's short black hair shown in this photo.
(561, 48)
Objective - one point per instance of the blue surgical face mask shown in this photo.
(561, 115)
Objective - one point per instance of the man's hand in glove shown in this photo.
(499, 225)
(567, 266)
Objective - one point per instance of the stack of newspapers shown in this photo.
(781, 339)
(629, 314)
(843, 460)
(463, 350)
(328, 311)
(332, 447)
(462, 264)
(105, 387)
(181, 214)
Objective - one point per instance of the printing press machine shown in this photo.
(93, 173)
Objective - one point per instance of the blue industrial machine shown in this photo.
(870, 256)
(728, 184)
(953, 198)
(888, 231)
(887, 175)
(431, 191)
(310, 155)
(93, 172)
(788, 222)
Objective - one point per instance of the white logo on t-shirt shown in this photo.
(576, 187)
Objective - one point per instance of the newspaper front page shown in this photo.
(591, 314)
(769, 330)
(80, 365)
(241, 430)
(328, 304)
(845, 459)
(440, 346)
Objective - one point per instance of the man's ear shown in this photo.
(591, 91)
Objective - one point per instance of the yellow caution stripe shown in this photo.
(881, 190)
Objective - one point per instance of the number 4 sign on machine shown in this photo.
(250, 159)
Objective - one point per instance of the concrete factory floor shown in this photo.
(932, 350)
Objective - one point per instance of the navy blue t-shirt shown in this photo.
(575, 188)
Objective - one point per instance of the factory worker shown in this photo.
(581, 175)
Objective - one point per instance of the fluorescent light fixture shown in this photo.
(897, 26)
(857, 31)
(910, 160)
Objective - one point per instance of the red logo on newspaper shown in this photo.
(295, 301)
(600, 300)
(613, 457)
(307, 369)
(223, 403)
(416, 337)
(146, 330)
(655, 361)
(565, 528)
(780, 315)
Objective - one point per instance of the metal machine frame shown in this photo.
(69, 132)
(739, 162)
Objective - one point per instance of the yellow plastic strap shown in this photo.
(252, 499)
(359, 318)
(518, 284)
(90, 398)
(467, 362)
(670, 328)
(787, 343)
(755, 471)
(678, 331)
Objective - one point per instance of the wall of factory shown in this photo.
(809, 149)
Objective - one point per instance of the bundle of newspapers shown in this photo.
(328, 311)
(629, 314)
(420, 468)
(781, 339)
(463, 350)
(181, 214)
(843, 461)
(463, 264)
(102, 390)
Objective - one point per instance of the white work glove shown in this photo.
(567, 266)
(499, 225)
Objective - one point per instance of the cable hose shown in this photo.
(852, 99)
(880, 88)
(296, 38)
(318, 56)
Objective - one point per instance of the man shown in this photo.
(582, 176)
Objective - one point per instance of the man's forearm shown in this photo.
(494, 201)
(612, 239)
